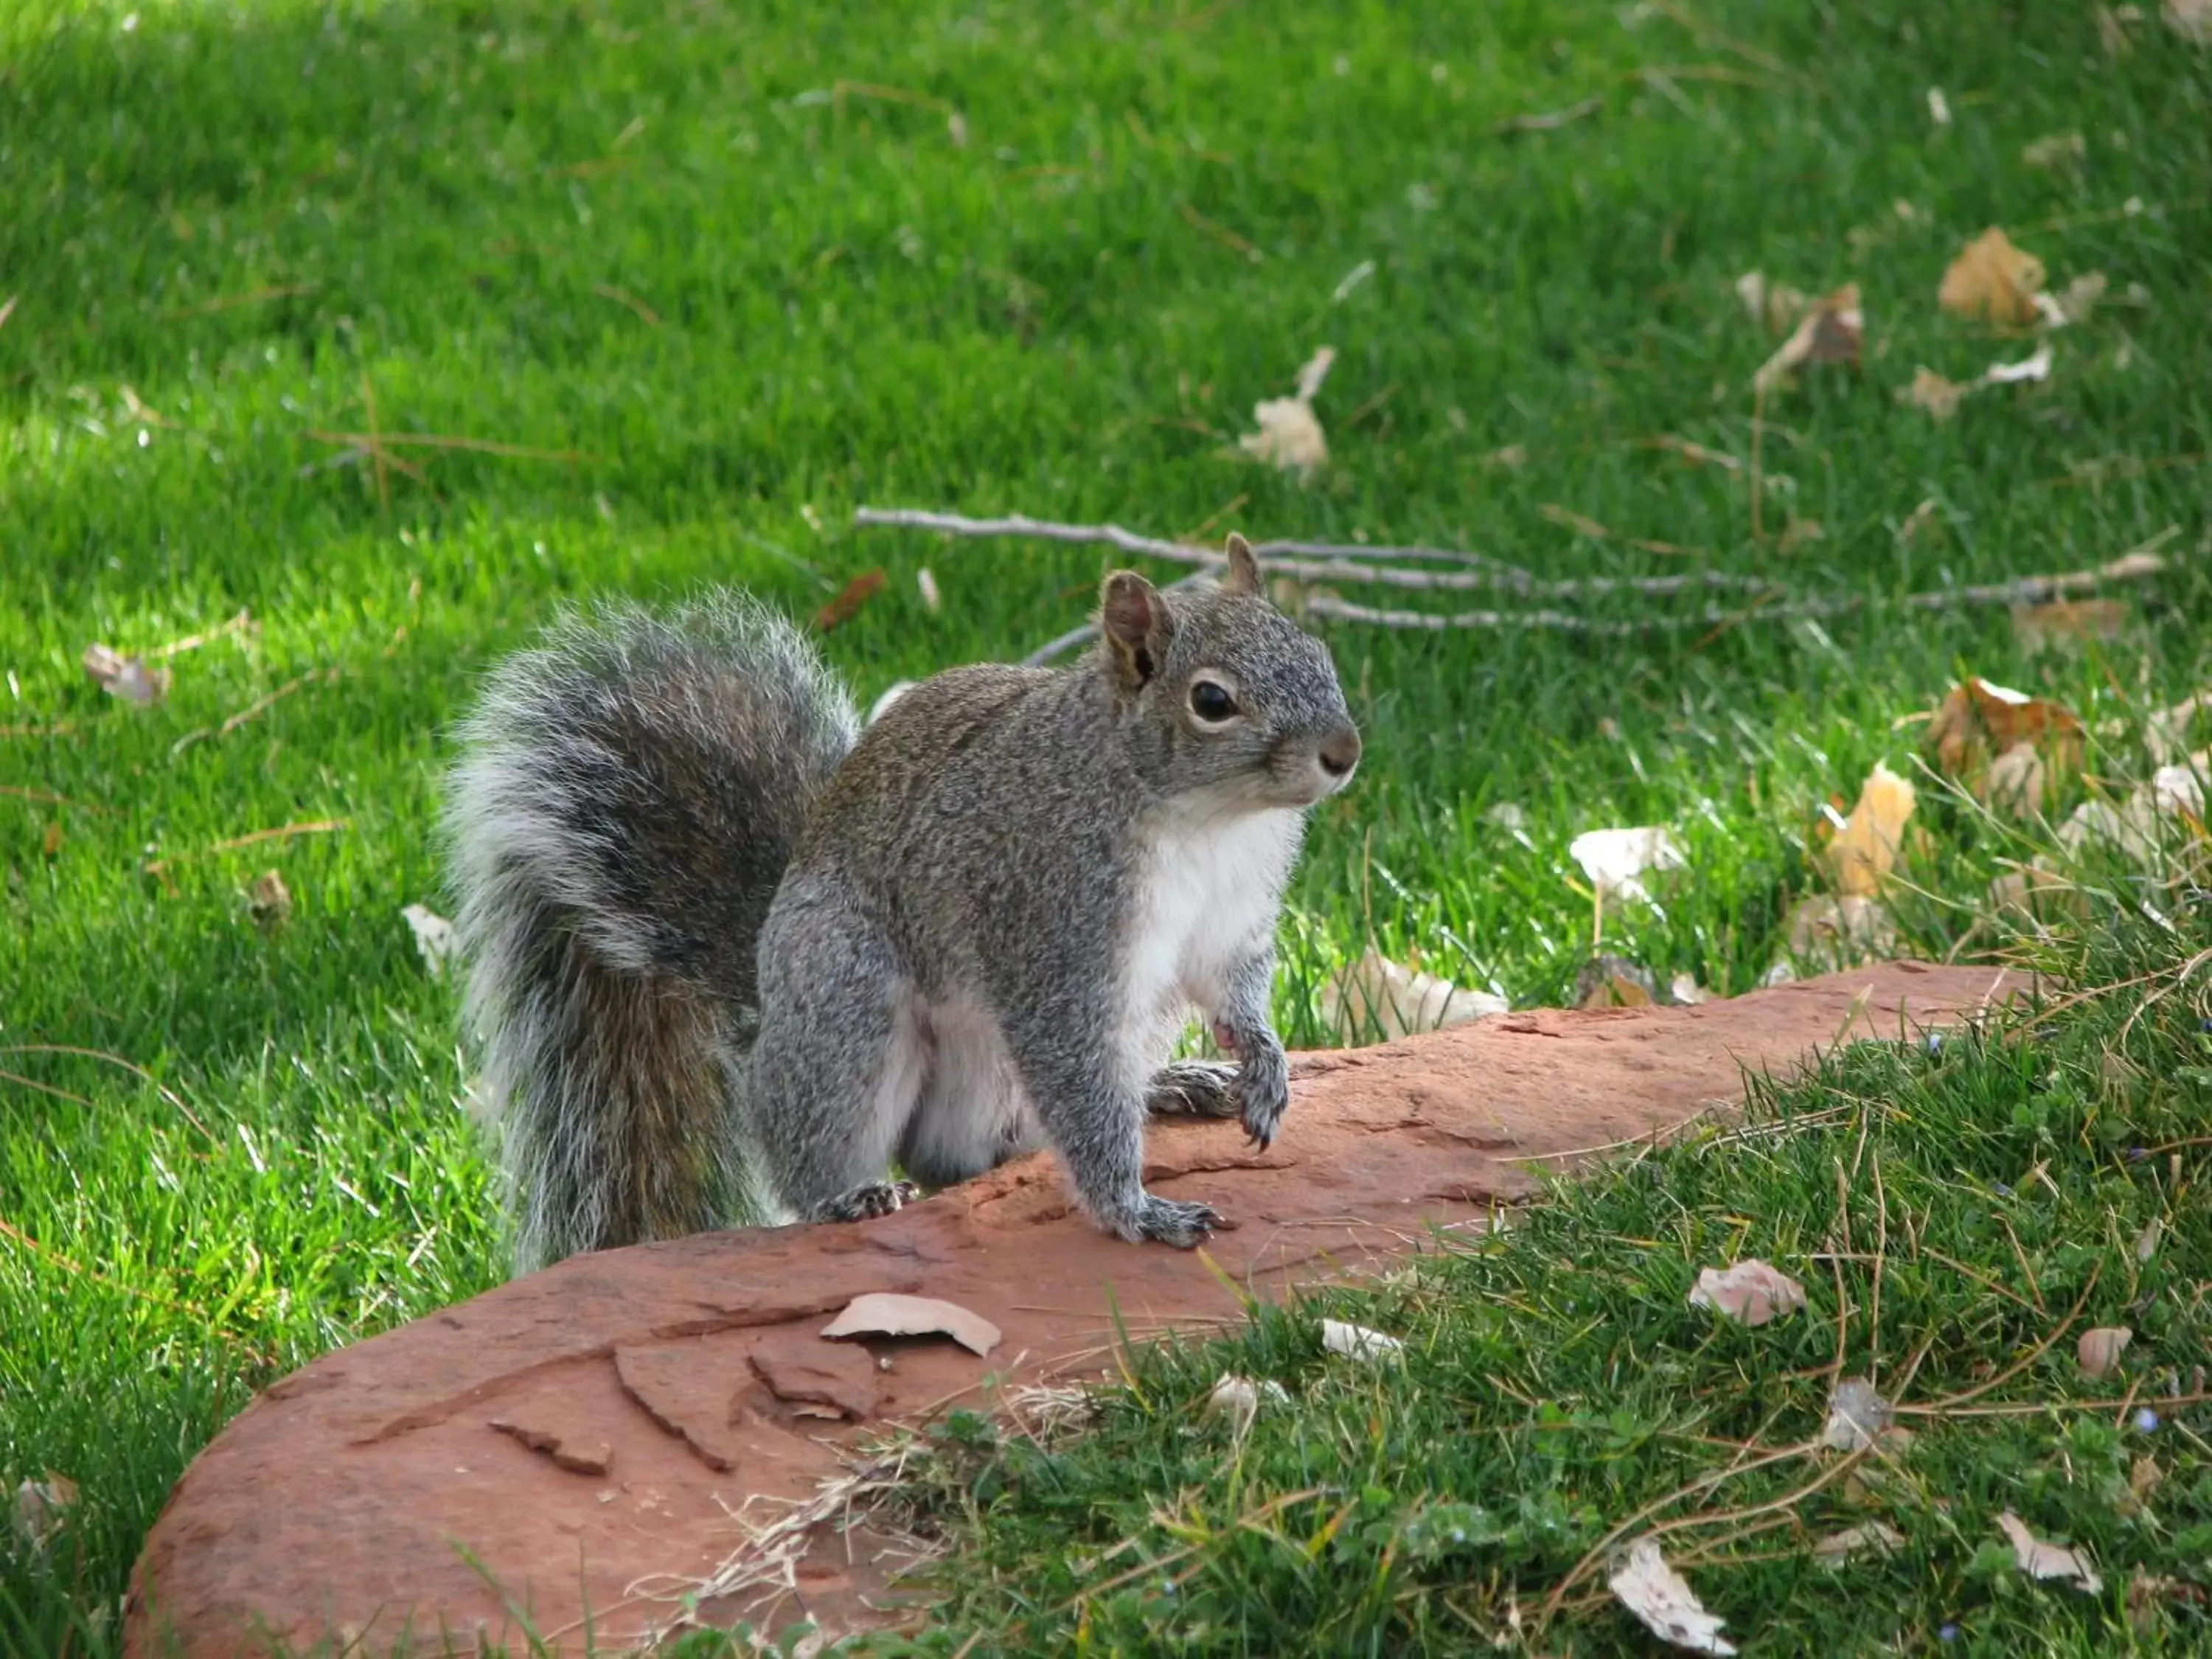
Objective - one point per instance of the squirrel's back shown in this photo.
(627, 796)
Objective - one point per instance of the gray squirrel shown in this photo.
(728, 957)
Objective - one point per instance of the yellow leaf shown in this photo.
(1865, 849)
(1993, 280)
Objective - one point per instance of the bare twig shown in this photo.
(1384, 566)
(282, 832)
(1221, 233)
(47, 797)
(259, 705)
(2022, 589)
(105, 1057)
(1551, 120)
(441, 441)
(644, 313)
(283, 291)
(190, 1310)
(206, 637)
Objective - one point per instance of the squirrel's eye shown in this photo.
(1210, 702)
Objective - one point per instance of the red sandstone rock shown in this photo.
(359, 1496)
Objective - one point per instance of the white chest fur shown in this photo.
(1210, 889)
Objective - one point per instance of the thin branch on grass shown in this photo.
(282, 832)
(1551, 120)
(377, 456)
(207, 636)
(1221, 233)
(1351, 562)
(621, 297)
(253, 710)
(1750, 54)
(441, 441)
(231, 302)
(58, 729)
(1938, 1407)
(179, 1305)
(48, 798)
(107, 1059)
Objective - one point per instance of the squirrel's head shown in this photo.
(1228, 693)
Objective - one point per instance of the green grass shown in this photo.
(647, 234)
(1555, 1387)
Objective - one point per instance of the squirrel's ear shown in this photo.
(1134, 619)
(1243, 569)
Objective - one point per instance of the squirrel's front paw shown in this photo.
(1263, 1090)
(1168, 1221)
(867, 1202)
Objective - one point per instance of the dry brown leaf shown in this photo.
(2040, 894)
(128, 677)
(1612, 982)
(1931, 392)
(1865, 850)
(1871, 1537)
(2143, 1477)
(1358, 1342)
(1375, 993)
(2146, 1240)
(1857, 1416)
(2099, 1351)
(2015, 784)
(2189, 19)
(2040, 1560)
(42, 1507)
(2148, 1593)
(1616, 860)
(2065, 623)
(435, 938)
(1663, 1600)
(1290, 436)
(2036, 366)
(1980, 720)
(1829, 932)
(1992, 280)
(1830, 331)
(2077, 301)
(2139, 823)
(1797, 532)
(885, 1313)
(846, 604)
(2166, 731)
(2054, 150)
(269, 901)
(1751, 1292)
(51, 843)
(1239, 1398)
(1776, 306)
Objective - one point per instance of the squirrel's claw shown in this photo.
(1173, 1221)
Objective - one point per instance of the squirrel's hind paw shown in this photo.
(1171, 1221)
(865, 1203)
(1193, 1087)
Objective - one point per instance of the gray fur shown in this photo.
(977, 932)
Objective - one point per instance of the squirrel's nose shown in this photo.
(1340, 752)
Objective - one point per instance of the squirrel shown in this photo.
(727, 957)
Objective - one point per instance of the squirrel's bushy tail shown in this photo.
(626, 797)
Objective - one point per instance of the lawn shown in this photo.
(390, 326)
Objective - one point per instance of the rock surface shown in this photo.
(620, 1429)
